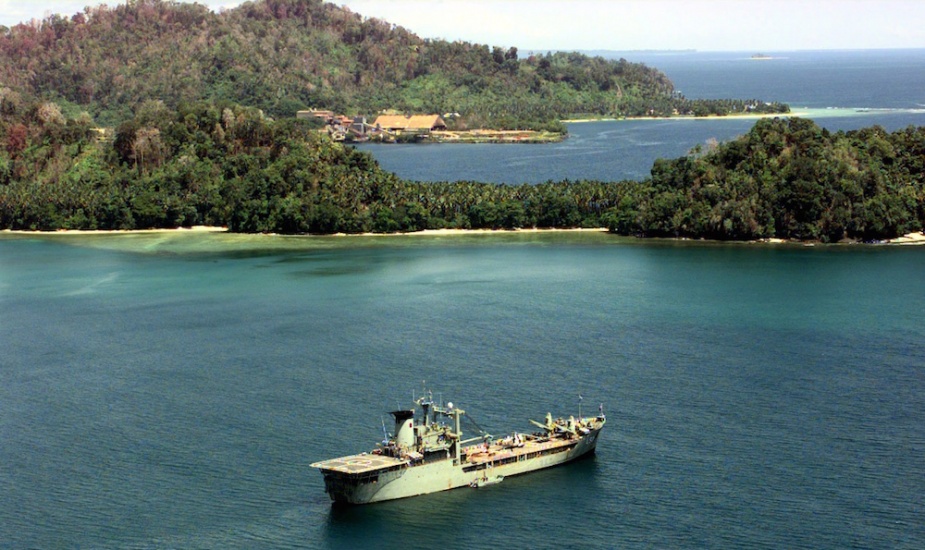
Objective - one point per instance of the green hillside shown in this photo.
(285, 55)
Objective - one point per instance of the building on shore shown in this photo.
(325, 115)
(417, 124)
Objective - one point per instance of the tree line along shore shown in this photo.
(201, 104)
(217, 164)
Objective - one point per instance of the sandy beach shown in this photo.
(915, 238)
(448, 232)
(743, 116)
(193, 229)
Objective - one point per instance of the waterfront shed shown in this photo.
(410, 123)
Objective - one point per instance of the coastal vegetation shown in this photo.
(786, 178)
(156, 114)
(228, 165)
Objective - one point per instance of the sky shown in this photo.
(717, 25)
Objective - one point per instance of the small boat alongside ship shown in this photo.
(485, 481)
(428, 454)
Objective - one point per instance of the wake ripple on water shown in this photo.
(93, 286)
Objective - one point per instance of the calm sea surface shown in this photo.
(162, 391)
(171, 390)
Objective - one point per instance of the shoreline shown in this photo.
(453, 232)
(916, 238)
(743, 116)
(172, 230)
(812, 113)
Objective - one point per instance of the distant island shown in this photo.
(761, 56)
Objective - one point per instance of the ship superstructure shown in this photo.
(428, 454)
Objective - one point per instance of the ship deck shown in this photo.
(476, 454)
(360, 464)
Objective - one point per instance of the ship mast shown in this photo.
(456, 414)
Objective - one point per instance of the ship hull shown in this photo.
(448, 473)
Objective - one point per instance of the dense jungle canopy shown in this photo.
(285, 55)
(232, 166)
(201, 132)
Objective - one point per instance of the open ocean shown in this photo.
(171, 390)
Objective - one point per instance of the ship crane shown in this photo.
(385, 433)
(484, 435)
(552, 426)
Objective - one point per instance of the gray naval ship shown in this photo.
(428, 454)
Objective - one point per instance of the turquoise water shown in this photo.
(172, 390)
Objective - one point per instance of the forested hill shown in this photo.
(285, 55)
